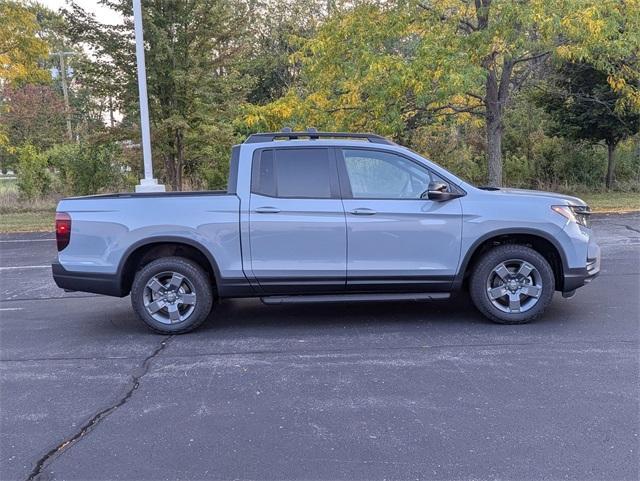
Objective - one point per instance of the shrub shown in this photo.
(34, 179)
(86, 168)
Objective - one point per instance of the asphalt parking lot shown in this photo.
(320, 392)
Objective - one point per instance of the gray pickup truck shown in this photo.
(326, 217)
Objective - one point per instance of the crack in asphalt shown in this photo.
(633, 229)
(97, 417)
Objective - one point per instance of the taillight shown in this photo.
(63, 229)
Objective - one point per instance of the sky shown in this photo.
(102, 13)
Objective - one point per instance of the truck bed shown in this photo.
(105, 228)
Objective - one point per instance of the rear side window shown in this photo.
(263, 178)
(294, 173)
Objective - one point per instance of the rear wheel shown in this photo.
(172, 295)
(512, 284)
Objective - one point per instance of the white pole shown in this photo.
(148, 184)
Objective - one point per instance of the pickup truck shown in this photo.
(326, 217)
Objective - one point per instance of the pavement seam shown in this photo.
(98, 417)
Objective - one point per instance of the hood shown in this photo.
(552, 196)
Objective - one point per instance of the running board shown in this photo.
(410, 296)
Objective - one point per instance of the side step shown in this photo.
(409, 296)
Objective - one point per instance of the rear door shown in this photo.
(297, 226)
(396, 239)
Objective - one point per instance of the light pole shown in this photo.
(148, 184)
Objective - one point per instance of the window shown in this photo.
(263, 179)
(298, 173)
(383, 175)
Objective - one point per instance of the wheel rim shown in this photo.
(514, 286)
(169, 297)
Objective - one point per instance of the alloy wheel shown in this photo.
(514, 286)
(169, 297)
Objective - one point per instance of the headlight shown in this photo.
(575, 213)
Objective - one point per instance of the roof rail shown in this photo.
(313, 134)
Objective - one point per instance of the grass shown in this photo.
(612, 202)
(17, 215)
(39, 221)
(38, 216)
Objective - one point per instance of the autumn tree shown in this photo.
(21, 49)
(35, 116)
(396, 66)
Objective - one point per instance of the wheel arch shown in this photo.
(538, 240)
(144, 251)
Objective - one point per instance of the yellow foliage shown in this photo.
(20, 47)
(378, 67)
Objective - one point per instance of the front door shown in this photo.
(297, 227)
(397, 240)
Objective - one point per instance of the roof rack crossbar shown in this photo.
(311, 134)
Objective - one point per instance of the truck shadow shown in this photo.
(245, 313)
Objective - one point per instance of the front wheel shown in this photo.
(512, 284)
(172, 295)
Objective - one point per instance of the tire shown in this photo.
(508, 296)
(172, 295)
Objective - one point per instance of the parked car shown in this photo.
(326, 217)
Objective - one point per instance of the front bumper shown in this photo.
(574, 278)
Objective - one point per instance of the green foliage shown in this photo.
(34, 179)
(457, 147)
(583, 105)
(355, 76)
(88, 168)
(452, 79)
(276, 34)
(194, 81)
(208, 158)
(606, 34)
(398, 67)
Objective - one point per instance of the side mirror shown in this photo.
(439, 191)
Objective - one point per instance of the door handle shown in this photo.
(363, 211)
(267, 210)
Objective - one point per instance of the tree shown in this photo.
(274, 35)
(402, 65)
(21, 49)
(606, 35)
(194, 86)
(34, 115)
(354, 75)
(586, 107)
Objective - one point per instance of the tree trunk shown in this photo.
(494, 131)
(611, 164)
(169, 169)
(179, 159)
(112, 119)
(495, 101)
(494, 148)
